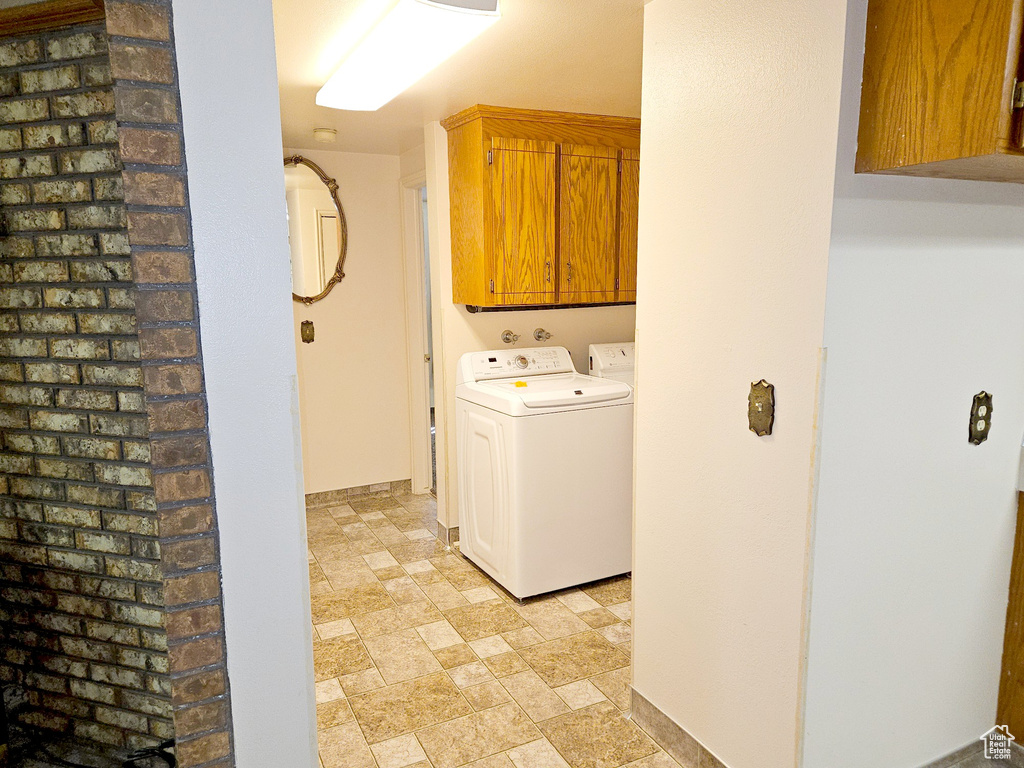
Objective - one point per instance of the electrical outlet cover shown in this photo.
(981, 418)
(761, 408)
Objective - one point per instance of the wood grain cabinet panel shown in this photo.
(937, 97)
(629, 205)
(538, 215)
(588, 224)
(523, 198)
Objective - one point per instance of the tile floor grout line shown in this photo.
(372, 531)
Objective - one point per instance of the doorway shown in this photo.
(420, 334)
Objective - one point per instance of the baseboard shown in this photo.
(342, 495)
(450, 536)
(690, 753)
(968, 756)
(953, 759)
(671, 736)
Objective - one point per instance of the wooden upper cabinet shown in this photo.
(629, 204)
(538, 214)
(939, 94)
(523, 221)
(588, 223)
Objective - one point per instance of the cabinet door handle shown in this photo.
(547, 271)
(568, 266)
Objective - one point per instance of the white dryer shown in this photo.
(614, 361)
(545, 469)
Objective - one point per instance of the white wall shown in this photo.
(457, 331)
(915, 525)
(413, 161)
(738, 140)
(236, 190)
(354, 378)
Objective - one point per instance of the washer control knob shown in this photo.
(522, 362)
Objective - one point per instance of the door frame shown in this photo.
(414, 261)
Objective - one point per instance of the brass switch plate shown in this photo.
(306, 331)
(761, 408)
(981, 418)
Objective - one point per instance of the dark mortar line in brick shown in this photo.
(55, 149)
(150, 606)
(106, 620)
(78, 460)
(134, 124)
(139, 42)
(185, 537)
(100, 58)
(52, 611)
(79, 334)
(77, 388)
(201, 702)
(212, 602)
(128, 84)
(51, 232)
(171, 573)
(58, 34)
(180, 249)
(201, 735)
(96, 553)
(199, 569)
(172, 642)
(67, 205)
(46, 95)
(220, 665)
(170, 209)
(80, 484)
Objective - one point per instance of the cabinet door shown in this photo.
(629, 203)
(523, 221)
(937, 86)
(588, 205)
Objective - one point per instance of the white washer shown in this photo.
(614, 361)
(545, 466)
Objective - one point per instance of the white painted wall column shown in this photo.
(740, 118)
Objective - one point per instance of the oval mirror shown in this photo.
(317, 232)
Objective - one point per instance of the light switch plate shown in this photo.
(761, 408)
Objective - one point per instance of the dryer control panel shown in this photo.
(507, 363)
(611, 358)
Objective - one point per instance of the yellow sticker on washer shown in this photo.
(520, 384)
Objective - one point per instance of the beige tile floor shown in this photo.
(422, 660)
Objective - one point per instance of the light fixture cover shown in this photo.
(408, 42)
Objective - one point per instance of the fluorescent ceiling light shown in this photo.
(411, 40)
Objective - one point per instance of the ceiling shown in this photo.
(571, 55)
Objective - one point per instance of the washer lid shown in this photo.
(558, 390)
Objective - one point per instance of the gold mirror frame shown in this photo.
(332, 187)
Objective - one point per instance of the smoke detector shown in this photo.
(325, 135)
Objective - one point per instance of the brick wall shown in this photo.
(81, 582)
(159, 233)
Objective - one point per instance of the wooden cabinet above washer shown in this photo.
(543, 207)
